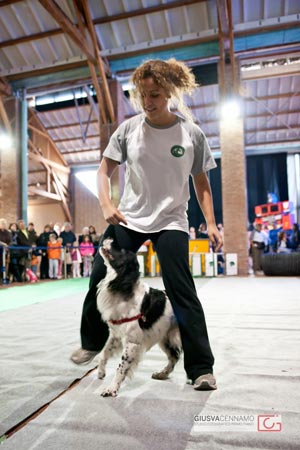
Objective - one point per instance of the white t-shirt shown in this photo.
(159, 161)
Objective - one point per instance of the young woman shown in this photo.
(161, 150)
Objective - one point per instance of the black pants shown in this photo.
(172, 251)
(44, 267)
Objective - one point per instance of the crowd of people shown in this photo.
(262, 239)
(265, 239)
(58, 253)
(55, 253)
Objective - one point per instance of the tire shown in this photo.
(281, 264)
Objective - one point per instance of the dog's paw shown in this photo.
(101, 374)
(163, 375)
(109, 392)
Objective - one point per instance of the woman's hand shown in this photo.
(215, 237)
(112, 215)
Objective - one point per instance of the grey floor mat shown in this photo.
(36, 343)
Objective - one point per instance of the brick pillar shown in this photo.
(10, 206)
(233, 174)
(234, 197)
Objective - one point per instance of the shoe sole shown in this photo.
(205, 386)
(84, 362)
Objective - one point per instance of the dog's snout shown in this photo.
(106, 248)
(107, 243)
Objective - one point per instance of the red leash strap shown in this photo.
(127, 319)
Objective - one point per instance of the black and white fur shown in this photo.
(121, 294)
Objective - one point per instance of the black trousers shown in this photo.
(172, 251)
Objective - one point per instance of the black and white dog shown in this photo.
(138, 317)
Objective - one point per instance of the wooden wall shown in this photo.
(85, 208)
(42, 214)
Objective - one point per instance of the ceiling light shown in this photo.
(230, 109)
(6, 141)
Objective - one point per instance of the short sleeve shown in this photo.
(116, 148)
(203, 158)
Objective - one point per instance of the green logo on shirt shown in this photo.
(177, 151)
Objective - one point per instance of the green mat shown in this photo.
(18, 296)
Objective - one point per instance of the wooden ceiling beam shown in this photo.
(58, 185)
(34, 172)
(43, 193)
(99, 21)
(143, 11)
(103, 117)
(46, 71)
(39, 128)
(274, 129)
(48, 162)
(5, 88)
(77, 152)
(71, 125)
(75, 138)
(227, 83)
(31, 37)
(8, 2)
(4, 116)
(68, 27)
(99, 61)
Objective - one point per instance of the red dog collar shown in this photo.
(127, 319)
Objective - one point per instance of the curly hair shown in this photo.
(173, 76)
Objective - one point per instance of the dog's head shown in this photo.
(125, 265)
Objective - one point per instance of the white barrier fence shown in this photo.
(202, 264)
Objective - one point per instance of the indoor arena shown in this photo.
(149, 224)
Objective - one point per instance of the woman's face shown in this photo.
(154, 101)
(3, 225)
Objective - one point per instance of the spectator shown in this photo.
(85, 232)
(53, 250)
(265, 233)
(52, 229)
(5, 240)
(295, 237)
(68, 239)
(5, 235)
(95, 238)
(15, 255)
(76, 260)
(257, 245)
(42, 243)
(202, 231)
(87, 252)
(33, 237)
(26, 252)
(192, 233)
(283, 246)
(61, 259)
(57, 228)
(221, 229)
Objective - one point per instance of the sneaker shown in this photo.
(205, 382)
(82, 356)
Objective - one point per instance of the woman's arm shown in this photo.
(204, 196)
(111, 214)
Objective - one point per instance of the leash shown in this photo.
(128, 319)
